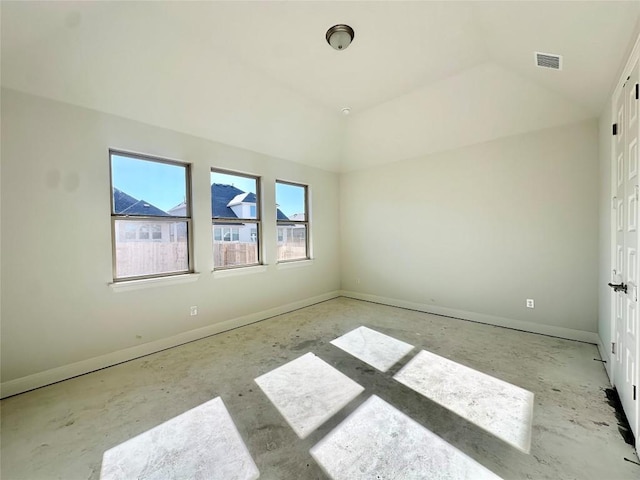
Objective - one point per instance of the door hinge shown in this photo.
(637, 91)
(615, 128)
(614, 202)
(634, 392)
(613, 348)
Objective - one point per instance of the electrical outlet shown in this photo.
(357, 281)
(530, 303)
(194, 310)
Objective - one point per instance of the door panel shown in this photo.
(625, 361)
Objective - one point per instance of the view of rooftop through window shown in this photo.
(161, 185)
(235, 214)
(293, 227)
(146, 193)
(290, 198)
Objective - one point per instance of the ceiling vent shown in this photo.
(548, 60)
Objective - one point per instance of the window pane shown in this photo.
(236, 247)
(127, 232)
(166, 252)
(292, 243)
(233, 196)
(144, 232)
(291, 201)
(145, 187)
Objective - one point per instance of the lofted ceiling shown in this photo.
(420, 77)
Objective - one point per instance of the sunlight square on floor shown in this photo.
(377, 441)
(374, 348)
(307, 392)
(498, 407)
(200, 443)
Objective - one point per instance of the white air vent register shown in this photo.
(548, 60)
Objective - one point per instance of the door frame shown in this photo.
(625, 73)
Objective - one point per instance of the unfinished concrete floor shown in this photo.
(62, 431)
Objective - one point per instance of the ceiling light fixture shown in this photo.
(340, 36)
(345, 110)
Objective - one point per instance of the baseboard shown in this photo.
(604, 355)
(568, 333)
(65, 372)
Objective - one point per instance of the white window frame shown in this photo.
(289, 223)
(159, 220)
(228, 222)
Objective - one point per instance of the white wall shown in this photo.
(481, 228)
(480, 104)
(57, 305)
(167, 64)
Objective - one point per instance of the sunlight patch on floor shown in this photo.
(374, 348)
(498, 407)
(379, 442)
(200, 443)
(307, 392)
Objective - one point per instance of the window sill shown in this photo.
(233, 272)
(127, 285)
(306, 262)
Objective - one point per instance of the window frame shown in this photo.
(151, 218)
(306, 222)
(231, 223)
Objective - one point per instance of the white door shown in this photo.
(625, 274)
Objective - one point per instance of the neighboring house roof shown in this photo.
(250, 198)
(280, 215)
(243, 198)
(178, 210)
(122, 201)
(226, 195)
(142, 207)
(125, 204)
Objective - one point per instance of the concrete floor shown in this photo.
(62, 431)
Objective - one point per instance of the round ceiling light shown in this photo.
(340, 36)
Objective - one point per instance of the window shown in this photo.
(235, 218)
(144, 232)
(293, 221)
(156, 232)
(226, 234)
(150, 217)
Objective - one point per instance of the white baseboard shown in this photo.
(47, 377)
(568, 333)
